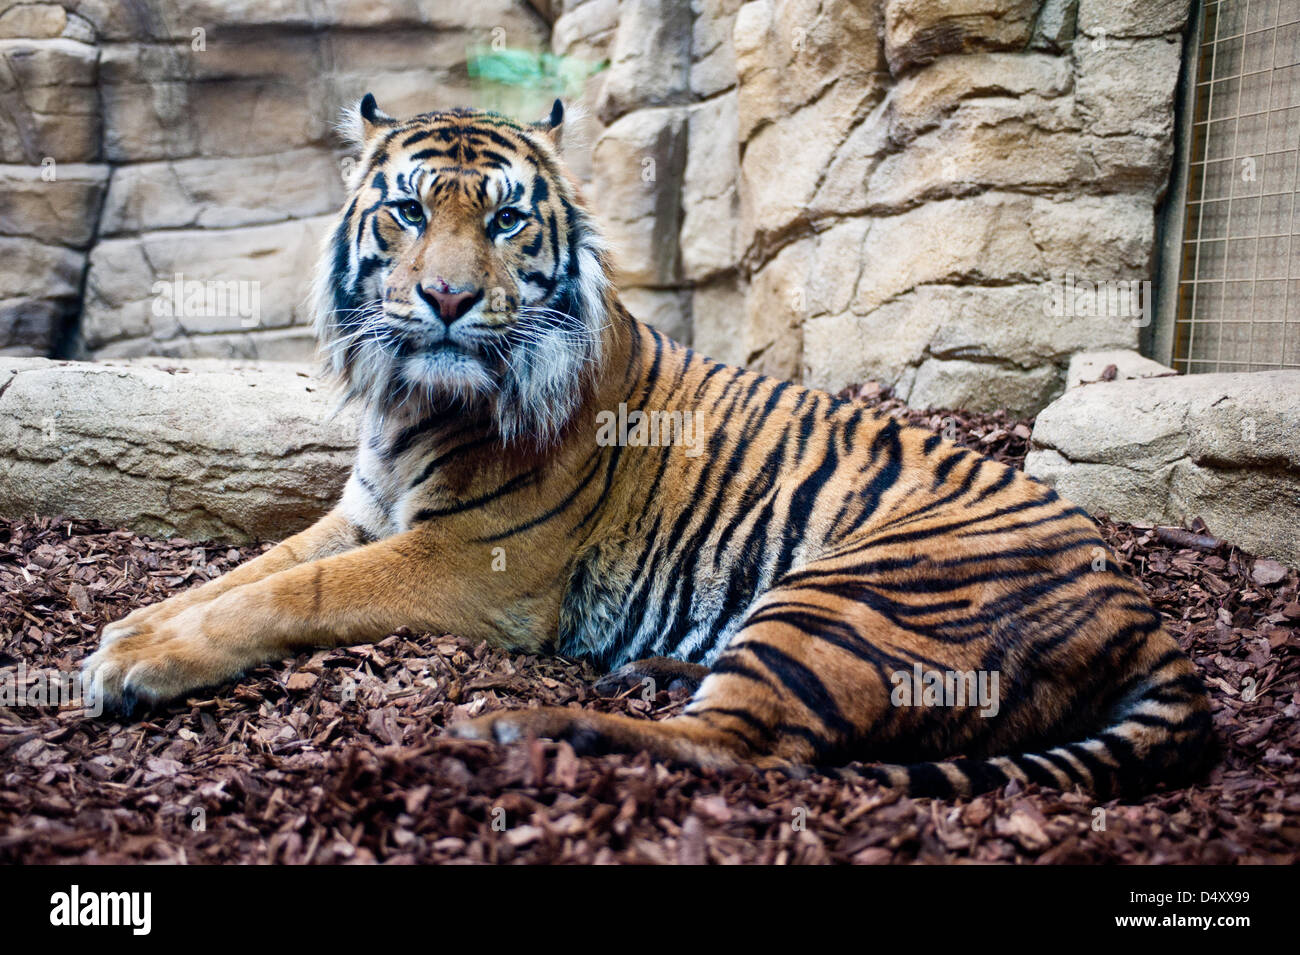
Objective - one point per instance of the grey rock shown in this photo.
(1221, 447)
(214, 450)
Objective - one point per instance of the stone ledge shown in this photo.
(1164, 450)
(1087, 368)
(232, 451)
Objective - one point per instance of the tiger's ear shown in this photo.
(553, 125)
(368, 119)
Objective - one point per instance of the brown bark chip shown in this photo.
(339, 755)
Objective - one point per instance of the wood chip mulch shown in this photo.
(338, 756)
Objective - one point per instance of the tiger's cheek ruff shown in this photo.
(347, 307)
(558, 346)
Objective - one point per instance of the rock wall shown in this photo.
(948, 196)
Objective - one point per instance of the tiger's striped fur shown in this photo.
(793, 560)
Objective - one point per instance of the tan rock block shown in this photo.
(917, 31)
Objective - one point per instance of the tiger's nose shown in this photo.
(447, 303)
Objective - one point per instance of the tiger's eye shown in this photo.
(506, 219)
(411, 211)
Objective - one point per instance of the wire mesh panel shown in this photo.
(1239, 285)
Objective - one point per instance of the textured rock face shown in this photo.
(1165, 450)
(156, 293)
(636, 167)
(919, 31)
(210, 450)
(650, 59)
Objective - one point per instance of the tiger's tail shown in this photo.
(1161, 732)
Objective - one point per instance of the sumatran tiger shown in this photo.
(540, 471)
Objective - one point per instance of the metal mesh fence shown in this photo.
(1239, 284)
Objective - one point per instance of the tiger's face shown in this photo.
(462, 274)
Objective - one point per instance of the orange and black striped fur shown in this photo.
(789, 554)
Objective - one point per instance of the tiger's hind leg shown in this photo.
(788, 689)
(686, 739)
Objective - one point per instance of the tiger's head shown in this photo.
(462, 275)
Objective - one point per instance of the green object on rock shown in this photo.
(531, 70)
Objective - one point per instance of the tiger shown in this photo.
(824, 582)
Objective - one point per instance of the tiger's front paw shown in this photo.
(144, 619)
(142, 662)
(134, 622)
(551, 722)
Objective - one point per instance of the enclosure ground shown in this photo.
(339, 756)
